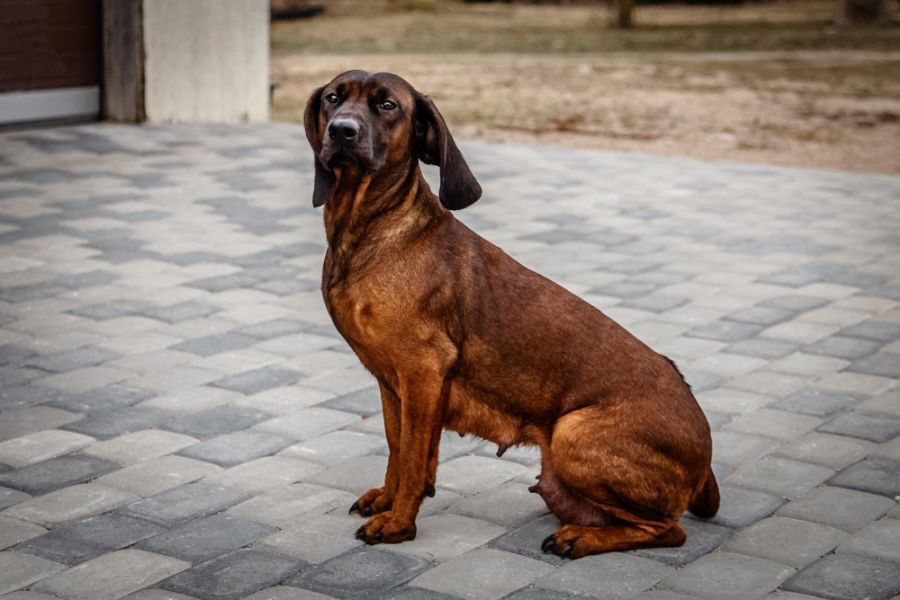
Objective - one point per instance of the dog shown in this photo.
(462, 337)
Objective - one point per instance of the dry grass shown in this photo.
(762, 83)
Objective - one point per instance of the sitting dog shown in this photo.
(462, 337)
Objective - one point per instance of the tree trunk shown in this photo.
(861, 12)
(624, 13)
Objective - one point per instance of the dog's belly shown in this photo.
(468, 414)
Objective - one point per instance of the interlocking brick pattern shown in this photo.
(179, 419)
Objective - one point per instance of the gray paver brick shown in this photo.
(335, 447)
(788, 541)
(70, 360)
(355, 476)
(21, 421)
(283, 592)
(411, 593)
(133, 448)
(179, 505)
(28, 596)
(847, 577)
(49, 475)
(845, 509)
(233, 576)
(760, 315)
(655, 302)
(483, 574)
(880, 331)
(157, 594)
(111, 576)
(876, 475)
(19, 570)
(264, 473)
(762, 348)
(774, 423)
(736, 448)
(181, 311)
(273, 328)
(284, 400)
(205, 539)
(69, 504)
(111, 309)
(442, 537)
(365, 402)
(842, 347)
(113, 423)
(669, 595)
(606, 576)
(40, 446)
(24, 396)
(724, 575)
(158, 475)
(308, 423)
(285, 506)
(361, 572)
(13, 531)
(315, 540)
(106, 397)
(817, 403)
(472, 474)
(875, 427)
(741, 507)
(252, 382)
(215, 421)
(215, 344)
(509, 505)
(880, 540)
(725, 331)
(238, 447)
(87, 539)
(780, 476)
(536, 593)
(832, 451)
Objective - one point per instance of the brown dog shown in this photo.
(461, 336)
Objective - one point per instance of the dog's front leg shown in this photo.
(420, 427)
(378, 500)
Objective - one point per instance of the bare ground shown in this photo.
(826, 107)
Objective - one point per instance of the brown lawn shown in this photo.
(763, 82)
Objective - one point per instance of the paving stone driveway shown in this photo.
(179, 419)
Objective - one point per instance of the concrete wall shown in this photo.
(206, 60)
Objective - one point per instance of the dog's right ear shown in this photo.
(324, 179)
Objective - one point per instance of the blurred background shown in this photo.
(795, 82)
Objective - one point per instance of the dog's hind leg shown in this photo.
(575, 541)
(611, 485)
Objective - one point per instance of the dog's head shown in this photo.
(379, 124)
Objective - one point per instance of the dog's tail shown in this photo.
(706, 503)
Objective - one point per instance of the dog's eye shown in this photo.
(332, 98)
(387, 105)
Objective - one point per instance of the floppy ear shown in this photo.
(459, 188)
(324, 179)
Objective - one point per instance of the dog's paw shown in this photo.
(386, 529)
(373, 502)
(568, 542)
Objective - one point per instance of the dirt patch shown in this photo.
(828, 108)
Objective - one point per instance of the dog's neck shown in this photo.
(377, 211)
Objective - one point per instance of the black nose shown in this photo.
(343, 129)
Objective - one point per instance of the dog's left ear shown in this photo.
(324, 179)
(459, 188)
